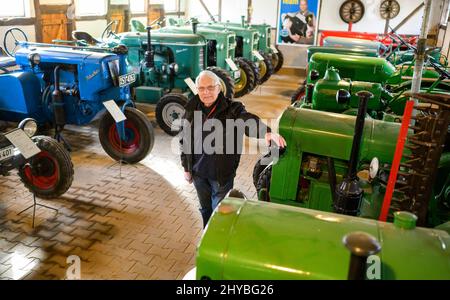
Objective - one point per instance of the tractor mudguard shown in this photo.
(19, 96)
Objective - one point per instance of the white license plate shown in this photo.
(6, 153)
(127, 79)
(237, 74)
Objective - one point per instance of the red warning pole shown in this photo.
(397, 159)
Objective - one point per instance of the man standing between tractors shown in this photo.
(211, 141)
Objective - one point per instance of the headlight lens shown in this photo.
(174, 68)
(29, 126)
(35, 59)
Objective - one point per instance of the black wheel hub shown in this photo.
(43, 166)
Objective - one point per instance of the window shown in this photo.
(171, 5)
(137, 6)
(90, 8)
(15, 8)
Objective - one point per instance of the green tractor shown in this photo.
(301, 244)
(165, 65)
(220, 53)
(308, 171)
(247, 45)
(265, 42)
(395, 80)
(322, 238)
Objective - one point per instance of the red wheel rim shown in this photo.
(300, 96)
(46, 171)
(132, 138)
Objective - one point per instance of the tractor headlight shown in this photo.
(173, 67)
(29, 126)
(220, 47)
(34, 58)
(247, 41)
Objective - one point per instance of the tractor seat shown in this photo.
(6, 62)
(82, 35)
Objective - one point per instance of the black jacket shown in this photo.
(225, 163)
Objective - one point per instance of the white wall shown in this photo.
(232, 10)
(195, 10)
(371, 21)
(94, 28)
(264, 11)
(446, 44)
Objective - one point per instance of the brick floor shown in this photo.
(144, 225)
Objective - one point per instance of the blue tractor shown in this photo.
(61, 85)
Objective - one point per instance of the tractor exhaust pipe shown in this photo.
(361, 245)
(349, 195)
(194, 26)
(58, 103)
(149, 55)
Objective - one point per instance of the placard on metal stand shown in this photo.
(118, 116)
(28, 149)
(35, 203)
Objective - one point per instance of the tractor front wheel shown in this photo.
(263, 184)
(138, 138)
(280, 61)
(259, 168)
(48, 174)
(226, 82)
(265, 68)
(299, 93)
(169, 111)
(255, 68)
(245, 83)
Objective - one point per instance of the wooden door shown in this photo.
(54, 27)
(120, 17)
(155, 12)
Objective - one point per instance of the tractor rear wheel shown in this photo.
(245, 83)
(169, 111)
(274, 58)
(48, 174)
(265, 68)
(139, 136)
(263, 184)
(227, 83)
(258, 168)
(280, 61)
(299, 93)
(255, 69)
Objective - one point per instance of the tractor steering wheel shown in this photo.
(13, 36)
(108, 32)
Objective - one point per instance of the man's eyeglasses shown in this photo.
(203, 89)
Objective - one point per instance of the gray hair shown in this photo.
(208, 74)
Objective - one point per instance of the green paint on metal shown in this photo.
(405, 220)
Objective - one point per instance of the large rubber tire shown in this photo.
(274, 58)
(245, 84)
(265, 68)
(255, 69)
(48, 174)
(280, 61)
(227, 83)
(263, 184)
(139, 133)
(258, 168)
(168, 109)
(299, 93)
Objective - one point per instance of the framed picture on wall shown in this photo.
(297, 22)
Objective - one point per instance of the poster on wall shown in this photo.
(297, 22)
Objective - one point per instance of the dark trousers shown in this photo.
(210, 193)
